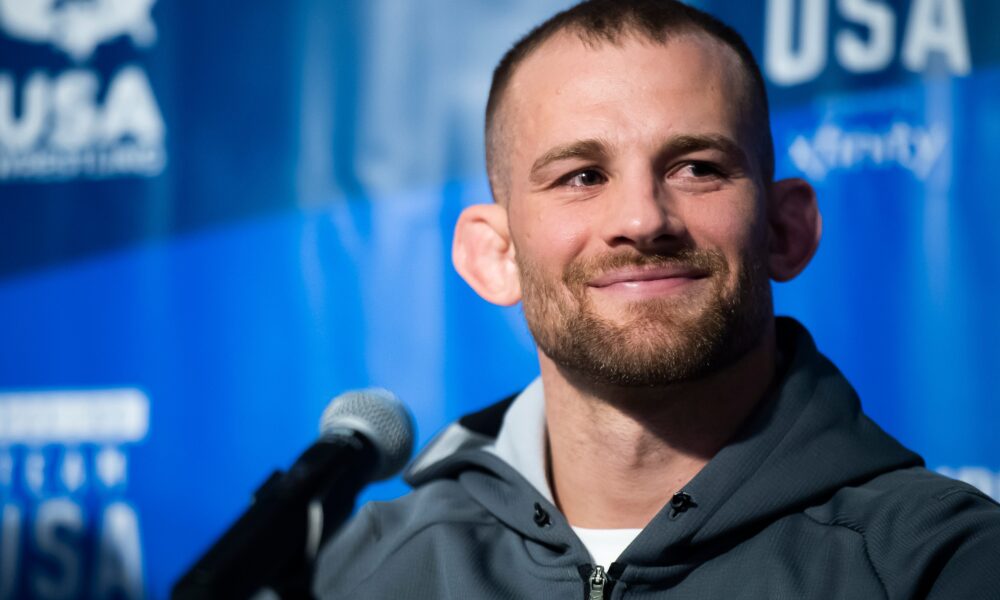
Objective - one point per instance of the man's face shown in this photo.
(636, 208)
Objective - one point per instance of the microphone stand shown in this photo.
(275, 542)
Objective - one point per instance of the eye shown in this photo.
(585, 178)
(699, 170)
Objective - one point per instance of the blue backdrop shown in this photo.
(215, 217)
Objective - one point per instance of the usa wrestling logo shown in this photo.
(76, 121)
(67, 528)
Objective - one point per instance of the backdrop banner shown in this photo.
(214, 218)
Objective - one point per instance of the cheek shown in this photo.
(737, 230)
(551, 239)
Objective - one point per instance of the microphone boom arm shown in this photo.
(273, 543)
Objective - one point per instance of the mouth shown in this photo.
(647, 281)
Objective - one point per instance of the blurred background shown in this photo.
(215, 216)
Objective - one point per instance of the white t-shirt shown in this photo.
(521, 444)
(606, 545)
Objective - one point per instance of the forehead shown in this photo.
(568, 89)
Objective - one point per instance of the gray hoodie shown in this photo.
(810, 499)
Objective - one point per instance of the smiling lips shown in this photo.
(647, 281)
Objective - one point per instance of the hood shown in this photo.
(807, 439)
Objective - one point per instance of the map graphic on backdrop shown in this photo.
(78, 28)
(214, 219)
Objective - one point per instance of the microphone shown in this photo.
(365, 435)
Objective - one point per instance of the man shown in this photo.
(681, 441)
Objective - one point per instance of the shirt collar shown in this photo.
(521, 440)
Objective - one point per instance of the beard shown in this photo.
(660, 341)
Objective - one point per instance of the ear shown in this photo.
(794, 227)
(484, 255)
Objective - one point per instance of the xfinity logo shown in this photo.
(830, 148)
(78, 27)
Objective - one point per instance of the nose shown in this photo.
(641, 213)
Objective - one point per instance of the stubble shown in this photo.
(659, 341)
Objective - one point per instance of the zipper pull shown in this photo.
(597, 581)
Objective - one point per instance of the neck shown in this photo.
(617, 455)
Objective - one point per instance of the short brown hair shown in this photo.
(609, 21)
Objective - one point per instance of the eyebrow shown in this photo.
(596, 149)
(592, 149)
(692, 143)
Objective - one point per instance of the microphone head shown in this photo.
(381, 417)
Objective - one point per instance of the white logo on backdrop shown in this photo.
(799, 35)
(831, 148)
(67, 529)
(77, 28)
(76, 122)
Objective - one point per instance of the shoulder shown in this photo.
(925, 534)
(437, 502)
(880, 502)
(401, 531)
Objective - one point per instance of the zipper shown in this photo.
(595, 584)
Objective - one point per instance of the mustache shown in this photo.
(580, 272)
